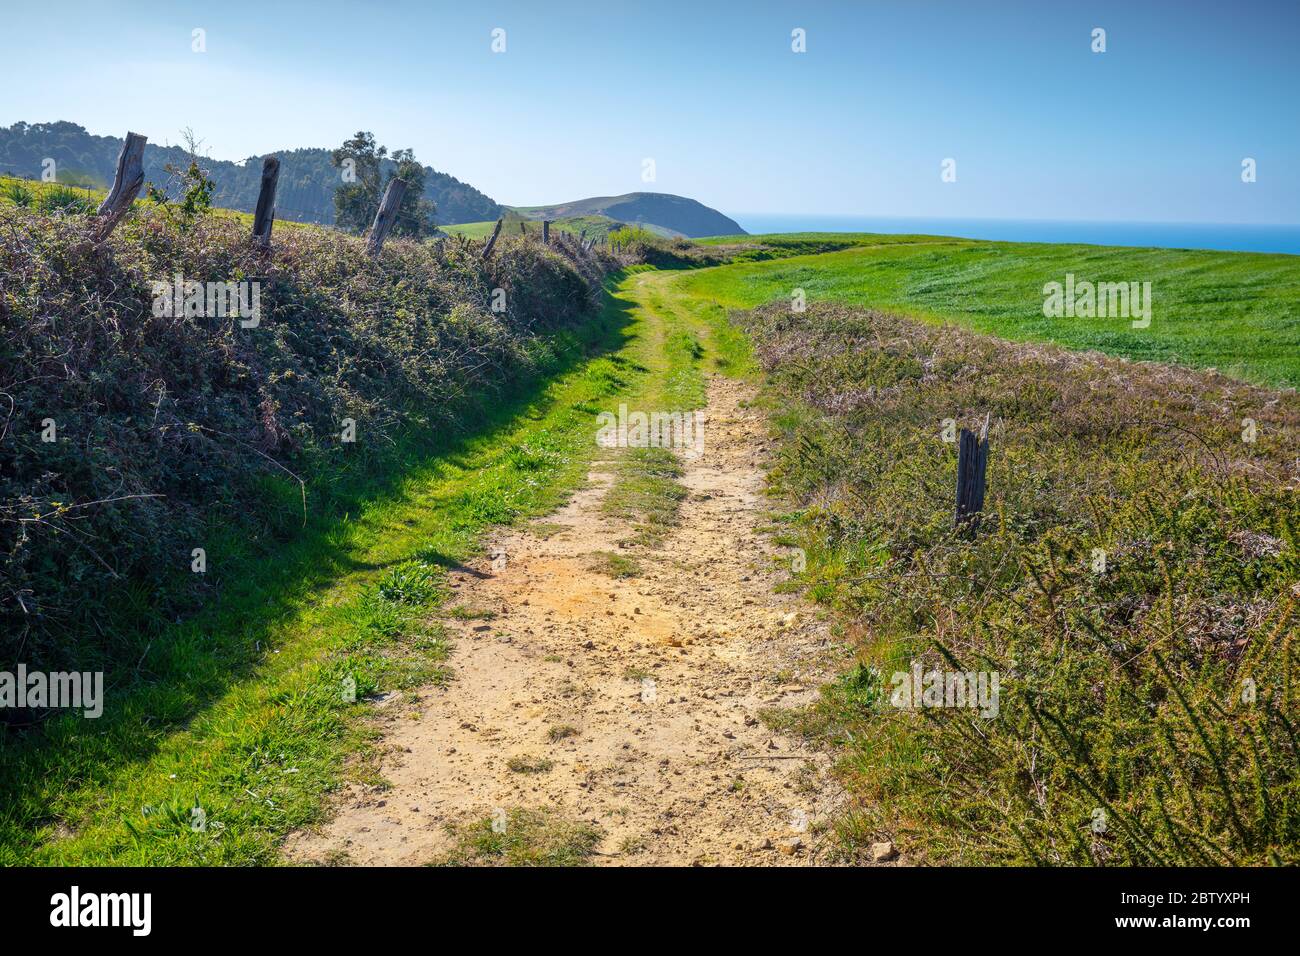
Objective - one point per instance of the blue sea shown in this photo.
(1171, 235)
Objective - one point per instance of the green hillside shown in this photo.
(673, 215)
(1234, 311)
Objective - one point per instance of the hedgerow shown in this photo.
(164, 427)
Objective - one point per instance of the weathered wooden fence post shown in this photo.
(127, 183)
(546, 232)
(972, 461)
(522, 230)
(487, 249)
(264, 213)
(386, 216)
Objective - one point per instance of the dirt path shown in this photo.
(643, 693)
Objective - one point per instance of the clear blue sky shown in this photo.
(1040, 126)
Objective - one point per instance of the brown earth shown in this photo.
(643, 692)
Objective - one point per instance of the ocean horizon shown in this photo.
(1225, 237)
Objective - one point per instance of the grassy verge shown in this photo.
(251, 709)
(1132, 587)
(646, 490)
(1234, 311)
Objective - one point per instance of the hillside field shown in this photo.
(1238, 312)
(1121, 689)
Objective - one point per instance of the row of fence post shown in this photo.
(972, 459)
(129, 180)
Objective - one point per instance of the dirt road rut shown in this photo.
(632, 704)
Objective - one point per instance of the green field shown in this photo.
(1142, 693)
(270, 736)
(76, 199)
(1238, 312)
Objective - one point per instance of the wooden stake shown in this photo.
(127, 183)
(487, 249)
(972, 461)
(386, 216)
(264, 213)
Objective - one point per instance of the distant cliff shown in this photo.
(675, 214)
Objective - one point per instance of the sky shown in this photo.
(1039, 125)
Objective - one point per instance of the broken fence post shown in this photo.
(546, 232)
(487, 249)
(264, 212)
(972, 462)
(386, 216)
(127, 183)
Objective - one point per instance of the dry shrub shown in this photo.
(167, 426)
(1147, 711)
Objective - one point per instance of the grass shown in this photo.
(53, 197)
(525, 763)
(617, 566)
(76, 199)
(1146, 702)
(1234, 311)
(547, 529)
(247, 711)
(646, 491)
(261, 752)
(541, 837)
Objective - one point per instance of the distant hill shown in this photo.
(305, 192)
(674, 215)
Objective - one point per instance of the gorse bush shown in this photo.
(1133, 582)
(167, 427)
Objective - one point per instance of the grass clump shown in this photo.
(547, 529)
(524, 763)
(542, 837)
(646, 491)
(614, 565)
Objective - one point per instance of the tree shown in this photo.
(192, 182)
(415, 214)
(361, 163)
(356, 200)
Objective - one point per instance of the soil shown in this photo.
(643, 693)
